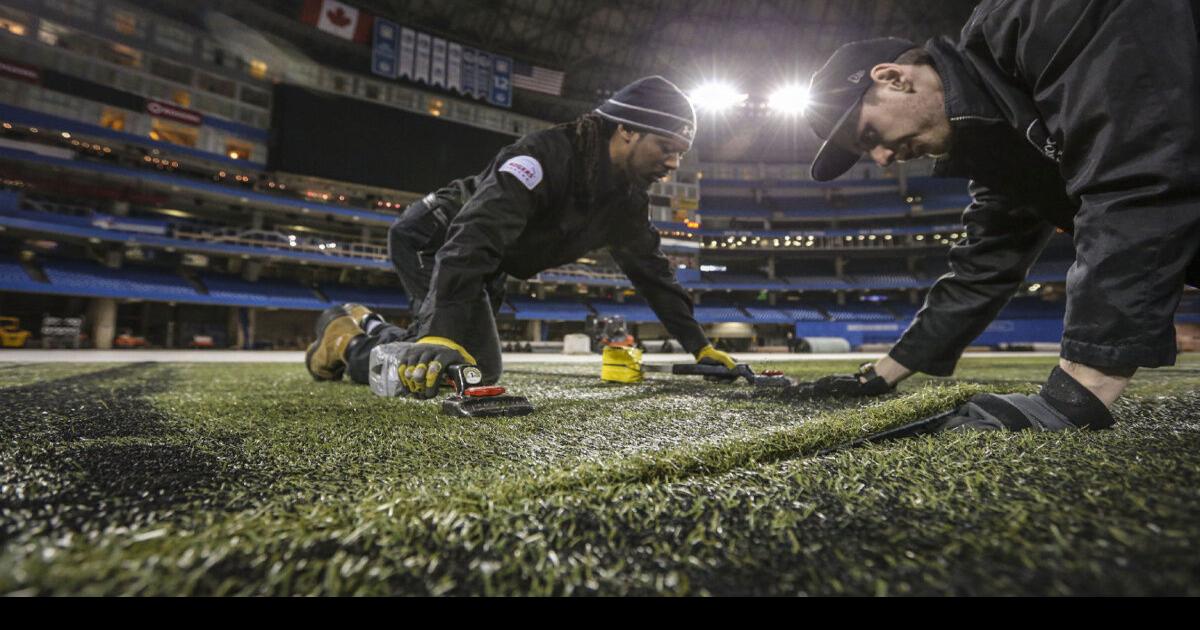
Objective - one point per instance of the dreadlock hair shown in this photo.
(590, 135)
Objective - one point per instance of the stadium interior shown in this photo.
(206, 175)
(189, 189)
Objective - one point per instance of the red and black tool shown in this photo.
(473, 400)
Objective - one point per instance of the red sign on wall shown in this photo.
(174, 112)
(20, 72)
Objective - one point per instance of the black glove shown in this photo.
(1062, 404)
(421, 366)
(864, 382)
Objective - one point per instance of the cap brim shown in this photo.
(832, 159)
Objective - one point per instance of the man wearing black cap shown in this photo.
(1083, 116)
(544, 201)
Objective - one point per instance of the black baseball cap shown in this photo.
(835, 93)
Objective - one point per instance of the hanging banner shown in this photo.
(408, 53)
(501, 92)
(468, 71)
(437, 63)
(398, 52)
(421, 69)
(483, 75)
(454, 54)
(384, 48)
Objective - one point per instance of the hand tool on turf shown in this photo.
(472, 400)
(469, 399)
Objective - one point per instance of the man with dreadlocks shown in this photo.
(544, 201)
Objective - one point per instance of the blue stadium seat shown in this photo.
(745, 282)
(769, 315)
(806, 314)
(819, 283)
(632, 312)
(721, 314)
(374, 297)
(859, 313)
(74, 277)
(551, 310)
(889, 281)
(264, 293)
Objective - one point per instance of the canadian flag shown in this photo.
(338, 18)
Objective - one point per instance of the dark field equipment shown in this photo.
(61, 332)
(924, 426)
(722, 374)
(470, 400)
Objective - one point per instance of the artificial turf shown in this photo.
(252, 479)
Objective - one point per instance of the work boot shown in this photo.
(336, 328)
(359, 312)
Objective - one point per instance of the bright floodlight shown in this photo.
(791, 99)
(715, 97)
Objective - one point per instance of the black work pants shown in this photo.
(413, 241)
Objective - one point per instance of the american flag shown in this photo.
(537, 78)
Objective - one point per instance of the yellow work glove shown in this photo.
(420, 367)
(712, 356)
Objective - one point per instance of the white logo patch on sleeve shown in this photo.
(526, 169)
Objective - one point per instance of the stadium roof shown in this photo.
(604, 45)
(601, 46)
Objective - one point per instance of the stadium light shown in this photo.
(717, 96)
(789, 99)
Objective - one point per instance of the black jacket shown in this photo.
(524, 214)
(1083, 116)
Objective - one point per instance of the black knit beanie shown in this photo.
(655, 105)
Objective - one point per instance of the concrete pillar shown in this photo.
(771, 267)
(839, 266)
(238, 328)
(366, 235)
(102, 313)
(841, 298)
(256, 219)
(535, 330)
(241, 327)
(249, 323)
(113, 258)
(233, 332)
